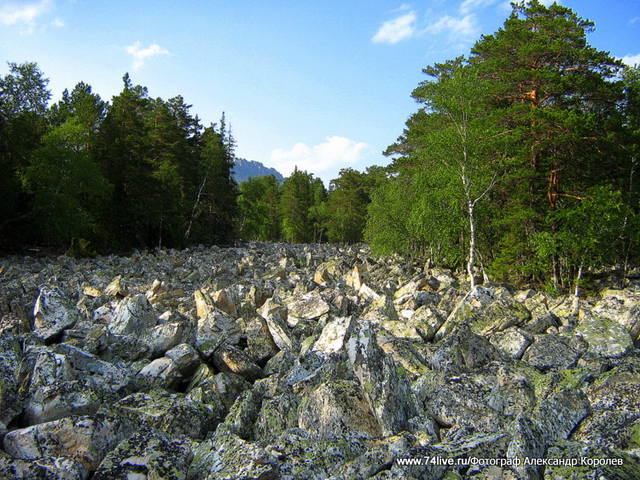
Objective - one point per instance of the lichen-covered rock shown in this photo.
(381, 310)
(579, 461)
(306, 307)
(387, 391)
(334, 335)
(463, 350)
(147, 454)
(622, 307)
(512, 342)
(301, 455)
(84, 439)
(185, 357)
(615, 404)
(226, 456)
(161, 372)
(214, 329)
(486, 311)
(165, 336)
(52, 314)
(605, 337)
(337, 407)
(133, 316)
(45, 468)
(260, 344)
(227, 358)
(551, 351)
(171, 413)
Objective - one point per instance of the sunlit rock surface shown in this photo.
(271, 361)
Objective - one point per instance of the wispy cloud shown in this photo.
(634, 20)
(631, 60)
(324, 159)
(23, 13)
(140, 55)
(459, 29)
(467, 6)
(58, 23)
(393, 31)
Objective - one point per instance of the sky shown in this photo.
(321, 85)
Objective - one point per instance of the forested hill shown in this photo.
(245, 169)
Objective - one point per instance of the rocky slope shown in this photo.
(307, 362)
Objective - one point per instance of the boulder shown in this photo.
(149, 453)
(84, 439)
(552, 351)
(133, 316)
(52, 314)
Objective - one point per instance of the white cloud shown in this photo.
(323, 159)
(631, 60)
(141, 54)
(58, 23)
(548, 3)
(459, 29)
(13, 13)
(392, 31)
(469, 5)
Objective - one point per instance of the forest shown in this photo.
(520, 163)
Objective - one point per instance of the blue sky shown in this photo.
(320, 84)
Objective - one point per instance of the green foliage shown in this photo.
(258, 208)
(538, 134)
(67, 185)
(300, 192)
(138, 172)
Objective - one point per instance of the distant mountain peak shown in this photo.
(245, 169)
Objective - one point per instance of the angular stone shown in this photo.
(388, 393)
(85, 439)
(512, 342)
(45, 468)
(551, 351)
(307, 307)
(605, 337)
(133, 316)
(162, 372)
(228, 457)
(185, 357)
(337, 408)
(230, 359)
(334, 336)
(149, 453)
(52, 314)
(171, 413)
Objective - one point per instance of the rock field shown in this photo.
(271, 361)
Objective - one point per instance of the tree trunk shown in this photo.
(472, 245)
(576, 292)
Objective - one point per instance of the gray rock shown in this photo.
(337, 408)
(149, 453)
(605, 337)
(52, 314)
(84, 439)
(387, 391)
(171, 413)
(133, 316)
(551, 351)
(45, 468)
(512, 342)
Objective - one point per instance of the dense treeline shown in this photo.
(137, 172)
(521, 162)
(522, 158)
(302, 210)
